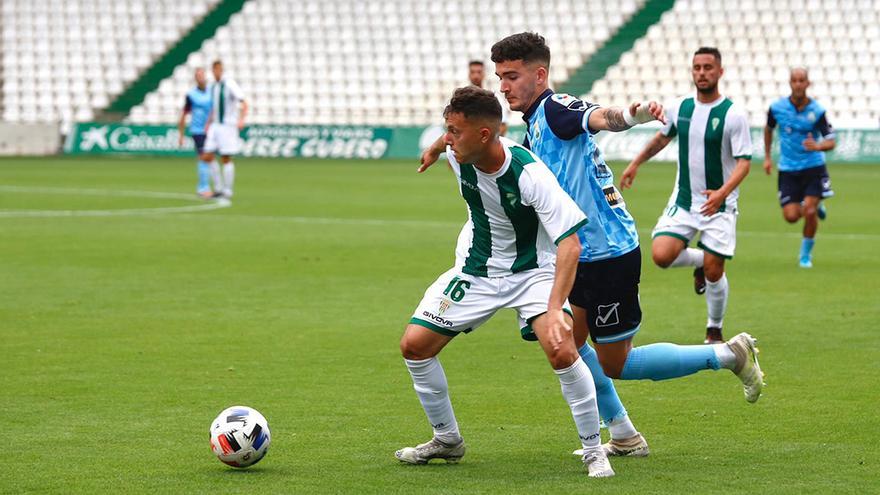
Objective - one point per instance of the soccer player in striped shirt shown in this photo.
(519, 249)
(226, 122)
(714, 154)
(804, 136)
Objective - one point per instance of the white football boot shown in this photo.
(433, 449)
(747, 368)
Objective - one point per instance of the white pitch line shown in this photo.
(162, 210)
(458, 225)
(97, 192)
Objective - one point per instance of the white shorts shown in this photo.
(717, 232)
(457, 302)
(223, 139)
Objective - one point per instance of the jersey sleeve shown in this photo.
(567, 116)
(187, 104)
(669, 129)
(235, 89)
(558, 213)
(771, 119)
(740, 136)
(824, 127)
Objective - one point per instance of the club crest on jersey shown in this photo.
(444, 305)
(715, 123)
(536, 131)
(811, 116)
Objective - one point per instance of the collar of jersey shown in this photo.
(534, 108)
(504, 166)
(710, 105)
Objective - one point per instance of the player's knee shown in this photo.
(661, 259)
(713, 274)
(410, 350)
(611, 365)
(791, 216)
(563, 357)
(810, 211)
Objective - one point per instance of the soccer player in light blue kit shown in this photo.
(804, 136)
(198, 105)
(605, 298)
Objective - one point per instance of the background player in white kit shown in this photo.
(505, 258)
(226, 122)
(714, 154)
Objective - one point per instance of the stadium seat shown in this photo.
(79, 61)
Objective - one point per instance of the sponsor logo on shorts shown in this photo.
(607, 315)
(437, 319)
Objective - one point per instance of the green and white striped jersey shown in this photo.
(226, 95)
(515, 216)
(711, 136)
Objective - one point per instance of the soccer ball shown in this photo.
(240, 436)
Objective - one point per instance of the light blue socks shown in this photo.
(204, 178)
(610, 407)
(807, 248)
(665, 361)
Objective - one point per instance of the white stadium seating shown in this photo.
(63, 60)
(837, 40)
(377, 62)
(396, 62)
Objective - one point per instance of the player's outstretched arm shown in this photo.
(714, 198)
(568, 253)
(617, 119)
(657, 143)
(768, 144)
(432, 154)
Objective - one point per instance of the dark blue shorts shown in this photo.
(199, 141)
(794, 186)
(609, 291)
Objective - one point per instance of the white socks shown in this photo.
(716, 301)
(622, 428)
(429, 380)
(228, 178)
(216, 178)
(726, 357)
(688, 257)
(580, 393)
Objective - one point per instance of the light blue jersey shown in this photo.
(198, 103)
(558, 133)
(794, 127)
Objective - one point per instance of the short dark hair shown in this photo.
(217, 62)
(709, 50)
(528, 47)
(474, 103)
(475, 62)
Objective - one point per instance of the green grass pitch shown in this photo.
(125, 332)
